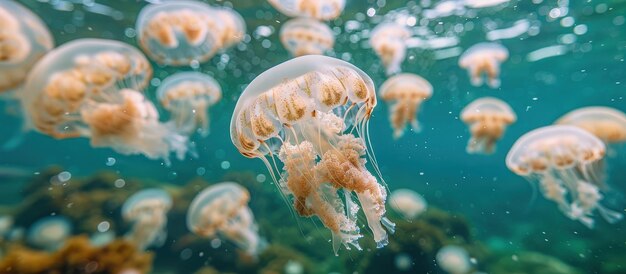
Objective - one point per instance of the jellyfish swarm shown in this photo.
(305, 36)
(454, 259)
(318, 9)
(408, 203)
(606, 123)
(312, 114)
(188, 96)
(90, 88)
(389, 42)
(179, 32)
(405, 92)
(24, 38)
(49, 233)
(483, 60)
(147, 211)
(487, 118)
(222, 209)
(567, 163)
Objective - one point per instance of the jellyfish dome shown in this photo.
(488, 119)
(49, 233)
(234, 26)
(606, 123)
(389, 42)
(147, 211)
(24, 38)
(567, 163)
(454, 259)
(308, 117)
(318, 9)
(188, 96)
(222, 210)
(408, 203)
(483, 61)
(305, 36)
(405, 92)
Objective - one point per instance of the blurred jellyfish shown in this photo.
(606, 123)
(188, 96)
(389, 42)
(49, 233)
(6, 224)
(24, 38)
(567, 163)
(312, 114)
(454, 259)
(147, 211)
(318, 9)
(405, 92)
(483, 60)
(408, 203)
(90, 88)
(222, 209)
(488, 118)
(305, 36)
(102, 238)
(234, 26)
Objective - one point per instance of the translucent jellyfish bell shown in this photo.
(454, 259)
(24, 38)
(606, 123)
(234, 26)
(405, 92)
(188, 96)
(147, 211)
(488, 119)
(567, 163)
(49, 233)
(408, 203)
(305, 36)
(389, 42)
(310, 115)
(483, 61)
(222, 209)
(318, 9)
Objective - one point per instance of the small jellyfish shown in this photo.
(389, 42)
(24, 39)
(188, 96)
(484, 59)
(324, 10)
(234, 26)
(567, 163)
(49, 233)
(305, 36)
(222, 210)
(487, 118)
(147, 211)
(405, 92)
(606, 123)
(454, 259)
(408, 203)
(311, 115)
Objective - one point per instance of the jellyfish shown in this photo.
(24, 39)
(484, 59)
(234, 26)
(222, 210)
(405, 92)
(147, 211)
(454, 259)
(188, 96)
(567, 162)
(318, 9)
(49, 233)
(408, 203)
(487, 118)
(305, 36)
(389, 42)
(91, 88)
(606, 123)
(311, 116)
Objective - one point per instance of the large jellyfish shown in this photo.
(405, 92)
(454, 259)
(567, 163)
(188, 96)
(318, 9)
(305, 36)
(483, 60)
(24, 38)
(487, 118)
(222, 209)
(311, 114)
(606, 123)
(408, 203)
(389, 42)
(147, 211)
(90, 88)
(49, 233)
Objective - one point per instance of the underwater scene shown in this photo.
(312, 136)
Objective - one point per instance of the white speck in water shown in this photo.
(110, 161)
(119, 183)
(104, 226)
